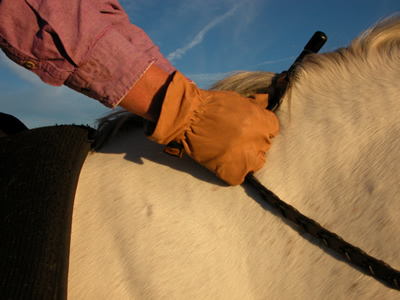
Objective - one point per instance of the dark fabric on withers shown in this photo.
(10, 124)
(39, 171)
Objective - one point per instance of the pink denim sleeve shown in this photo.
(88, 45)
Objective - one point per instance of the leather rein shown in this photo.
(355, 256)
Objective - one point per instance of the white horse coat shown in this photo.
(150, 226)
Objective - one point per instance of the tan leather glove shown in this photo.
(223, 131)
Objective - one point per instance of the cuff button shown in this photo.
(30, 65)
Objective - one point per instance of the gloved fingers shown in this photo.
(234, 149)
(260, 99)
(226, 133)
(234, 172)
(271, 123)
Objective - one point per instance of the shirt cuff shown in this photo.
(110, 69)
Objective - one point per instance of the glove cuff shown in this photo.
(181, 100)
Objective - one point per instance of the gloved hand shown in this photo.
(223, 131)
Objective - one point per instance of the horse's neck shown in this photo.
(340, 142)
(338, 114)
(150, 225)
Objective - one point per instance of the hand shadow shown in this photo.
(137, 147)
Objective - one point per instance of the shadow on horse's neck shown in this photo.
(139, 150)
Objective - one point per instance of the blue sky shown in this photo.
(205, 40)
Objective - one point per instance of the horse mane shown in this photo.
(111, 124)
(375, 46)
(380, 39)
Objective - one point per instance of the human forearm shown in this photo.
(146, 96)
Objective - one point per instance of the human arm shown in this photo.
(145, 98)
(88, 45)
(92, 48)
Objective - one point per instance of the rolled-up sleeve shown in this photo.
(88, 45)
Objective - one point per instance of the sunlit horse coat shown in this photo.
(150, 226)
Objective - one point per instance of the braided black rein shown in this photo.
(370, 265)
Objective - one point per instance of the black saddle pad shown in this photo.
(39, 171)
(10, 124)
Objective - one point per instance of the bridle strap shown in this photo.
(282, 82)
(355, 256)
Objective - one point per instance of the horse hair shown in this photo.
(148, 225)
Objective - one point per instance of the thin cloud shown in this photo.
(271, 62)
(178, 53)
(204, 81)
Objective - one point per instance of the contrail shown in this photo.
(178, 53)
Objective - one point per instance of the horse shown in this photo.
(151, 226)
